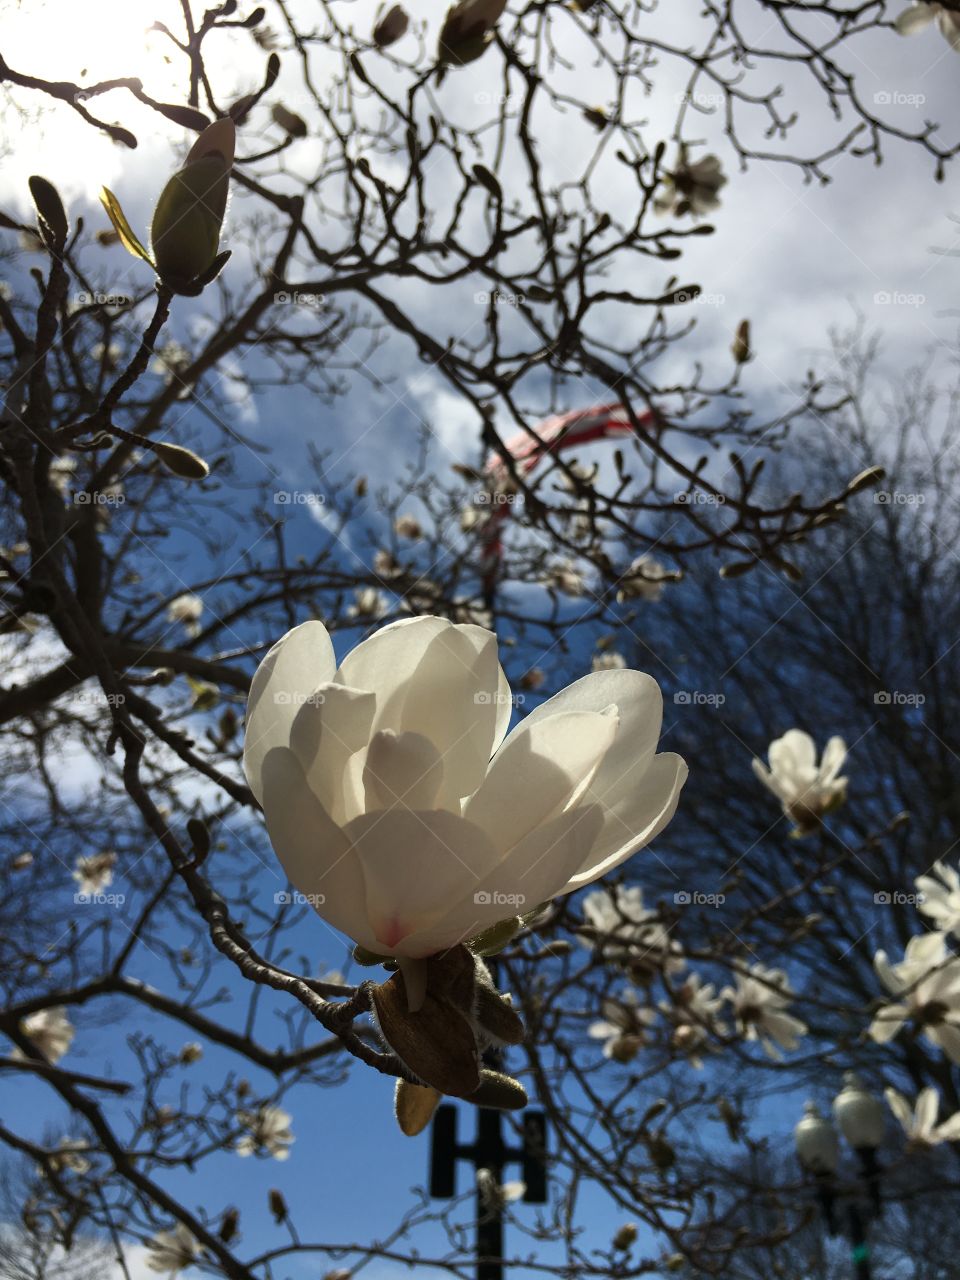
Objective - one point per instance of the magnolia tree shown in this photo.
(428, 704)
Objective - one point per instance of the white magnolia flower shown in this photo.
(94, 874)
(369, 602)
(695, 1014)
(408, 527)
(172, 1251)
(386, 566)
(806, 790)
(921, 14)
(941, 897)
(566, 577)
(692, 188)
(609, 661)
(400, 807)
(496, 1195)
(187, 609)
(70, 1156)
(760, 1000)
(623, 1026)
(920, 1123)
(927, 984)
(643, 580)
(630, 933)
(269, 1132)
(50, 1031)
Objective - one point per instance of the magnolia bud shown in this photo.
(499, 1091)
(414, 1105)
(182, 462)
(741, 343)
(185, 233)
(626, 1236)
(295, 125)
(391, 27)
(278, 1206)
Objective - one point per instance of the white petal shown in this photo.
(900, 1108)
(414, 865)
(401, 769)
(533, 872)
(914, 19)
(639, 703)
(888, 1022)
(831, 762)
(927, 1106)
(313, 850)
(543, 765)
(948, 1038)
(794, 753)
(330, 727)
(290, 672)
(633, 818)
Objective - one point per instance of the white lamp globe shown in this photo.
(816, 1139)
(859, 1114)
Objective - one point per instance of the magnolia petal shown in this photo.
(831, 762)
(541, 767)
(639, 703)
(793, 754)
(948, 21)
(533, 872)
(927, 1106)
(452, 699)
(290, 672)
(414, 864)
(900, 1108)
(888, 1022)
(645, 804)
(914, 19)
(401, 770)
(313, 850)
(385, 661)
(330, 726)
(948, 1038)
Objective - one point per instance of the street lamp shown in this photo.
(861, 1119)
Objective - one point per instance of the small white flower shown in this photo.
(566, 577)
(269, 1132)
(609, 661)
(623, 1026)
(496, 1195)
(941, 897)
(927, 984)
(630, 933)
(920, 1124)
(191, 1052)
(61, 473)
(369, 603)
(807, 791)
(922, 14)
(94, 874)
(386, 566)
(70, 1156)
(692, 188)
(188, 609)
(408, 527)
(643, 580)
(172, 1251)
(50, 1031)
(760, 1000)
(695, 1016)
